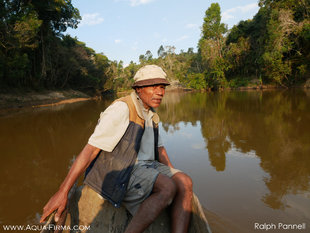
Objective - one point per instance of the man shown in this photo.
(127, 163)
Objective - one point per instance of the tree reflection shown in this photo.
(274, 124)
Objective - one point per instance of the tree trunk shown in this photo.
(43, 70)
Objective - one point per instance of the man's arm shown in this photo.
(59, 200)
(163, 156)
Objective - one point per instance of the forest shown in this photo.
(272, 48)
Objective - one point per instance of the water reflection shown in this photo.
(273, 124)
(247, 152)
(36, 148)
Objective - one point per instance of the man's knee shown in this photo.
(183, 182)
(166, 188)
(170, 191)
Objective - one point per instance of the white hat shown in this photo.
(150, 75)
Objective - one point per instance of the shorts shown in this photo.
(140, 186)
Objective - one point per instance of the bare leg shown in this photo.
(182, 204)
(163, 193)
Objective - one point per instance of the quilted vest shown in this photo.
(110, 172)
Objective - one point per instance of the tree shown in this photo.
(142, 59)
(148, 55)
(58, 14)
(161, 52)
(210, 47)
(212, 27)
(35, 54)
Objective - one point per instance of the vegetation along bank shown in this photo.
(273, 49)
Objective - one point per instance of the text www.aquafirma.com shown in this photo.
(42, 227)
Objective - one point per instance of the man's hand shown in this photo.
(57, 202)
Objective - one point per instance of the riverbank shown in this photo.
(15, 100)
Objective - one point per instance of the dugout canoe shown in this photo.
(92, 214)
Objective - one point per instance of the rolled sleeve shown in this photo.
(111, 126)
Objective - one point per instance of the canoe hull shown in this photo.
(88, 211)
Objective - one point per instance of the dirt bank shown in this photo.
(40, 99)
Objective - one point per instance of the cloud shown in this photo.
(191, 26)
(198, 146)
(91, 19)
(182, 38)
(187, 135)
(227, 16)
(117, 41)
(231, 13)
(139, 2)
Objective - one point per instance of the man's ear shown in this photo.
(138, 90)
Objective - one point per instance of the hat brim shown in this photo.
(151, 82)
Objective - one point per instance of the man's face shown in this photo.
(151, 96)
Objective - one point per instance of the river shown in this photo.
(248, 154)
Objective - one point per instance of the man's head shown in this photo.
(150, 84)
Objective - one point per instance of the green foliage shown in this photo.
(273, 47)
(34, 53)
(161, 52)
(238, 82)
(211, 47)
(20, 65)
(26, 30)
(212, 27)
(278, 48)
(58, 14)
(236, 56)
(197, 81)
(305, 33)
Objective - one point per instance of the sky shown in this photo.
(125, 29)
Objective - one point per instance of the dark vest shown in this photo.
(110, 172)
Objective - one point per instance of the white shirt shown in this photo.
(113, 123)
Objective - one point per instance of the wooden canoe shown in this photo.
(89, 212)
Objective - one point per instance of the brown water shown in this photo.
(248, 154)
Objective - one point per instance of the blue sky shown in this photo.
(125, 29)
